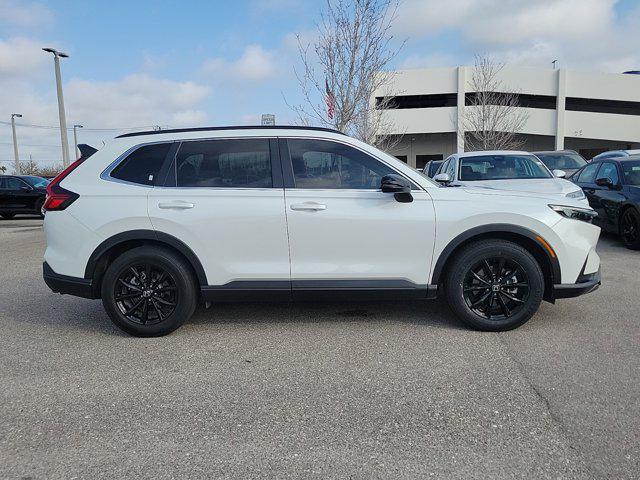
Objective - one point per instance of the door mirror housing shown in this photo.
(559, 173)
(399, 186)
(442, 178)
(605, 182)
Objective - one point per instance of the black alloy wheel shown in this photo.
(146, 293)
(630, 228)
(149, 291)
(494, 285)
(496, 288)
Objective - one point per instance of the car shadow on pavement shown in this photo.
(421, 312)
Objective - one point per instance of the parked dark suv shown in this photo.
(22, 194)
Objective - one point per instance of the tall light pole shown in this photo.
(75, 139)
(15, 141)
(63, 119)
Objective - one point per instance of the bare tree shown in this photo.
(345, 66)
(492, 120)
(30, 167)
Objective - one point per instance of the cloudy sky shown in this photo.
(187, 63)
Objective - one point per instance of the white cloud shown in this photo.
(24, 14)
(579, 33)
(430, 60)
(255, 65)
(21, 56)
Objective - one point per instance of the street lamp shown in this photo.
(15, 141)
(63, 120)
(75, 139)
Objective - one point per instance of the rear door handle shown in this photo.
(179, 205)
(308, 206)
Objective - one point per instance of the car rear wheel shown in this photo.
(149, 291)
(494, 285)
(630, 228)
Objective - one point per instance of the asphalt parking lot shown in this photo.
(341, 390)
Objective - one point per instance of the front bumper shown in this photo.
(586, 284)
(79, 287)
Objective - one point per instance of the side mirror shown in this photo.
(399, 186)
(604, 182)
(442, 178)
(559, 173)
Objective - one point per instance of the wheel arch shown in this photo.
(114, 246)
(526, 238)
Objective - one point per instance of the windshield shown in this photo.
(37, 182)
(631, 172)
(562, 161)
(501, 167)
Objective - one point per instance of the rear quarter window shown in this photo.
(143, 164)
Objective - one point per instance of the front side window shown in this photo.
(610, 171)
(562, 161)
(588, 174)
(14, 184)
(451, 169)
(322, 164)
(224, 163)
(143, 164)
(631, 172)
(502, 167)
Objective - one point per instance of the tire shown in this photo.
(630, 228)
(7, 216)
(494, 285)
(39, 204)
(149, 308)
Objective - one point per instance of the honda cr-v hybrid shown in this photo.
(155, 222)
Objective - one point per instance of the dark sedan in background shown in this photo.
(569, 161)
(22, 194)
(612, 186)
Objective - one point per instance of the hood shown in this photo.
(543, 186)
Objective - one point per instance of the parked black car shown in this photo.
(22, 194)
(567, 160)
(612, 186)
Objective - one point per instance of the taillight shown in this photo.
(59, 198)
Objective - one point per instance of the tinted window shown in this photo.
(142, 165)
(562, 161)
(501, 167)
(588, 175)
(37, 182)
(324, 164)
(224, 163)
(13, 183)
(451, 169)
(631, 172)
(610, 171)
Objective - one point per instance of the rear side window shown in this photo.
(588, 174)
(143, 164)
(330, 165)
(226, 163)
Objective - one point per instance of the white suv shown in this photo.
(155, 222)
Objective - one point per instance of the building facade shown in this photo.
(583, 111)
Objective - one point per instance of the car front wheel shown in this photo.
(494, 285)
(149, 291)
(630, 228)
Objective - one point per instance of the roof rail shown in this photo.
(239, 127)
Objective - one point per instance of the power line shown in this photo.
(96, 129)
(30, 144)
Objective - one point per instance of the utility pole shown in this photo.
(16, 157)
(75, 139)
(63, 119)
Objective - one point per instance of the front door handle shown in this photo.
(175, 205)
(308, 206)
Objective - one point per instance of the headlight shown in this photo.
(575, 213)
(577, 195)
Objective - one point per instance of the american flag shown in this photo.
(330, 100)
